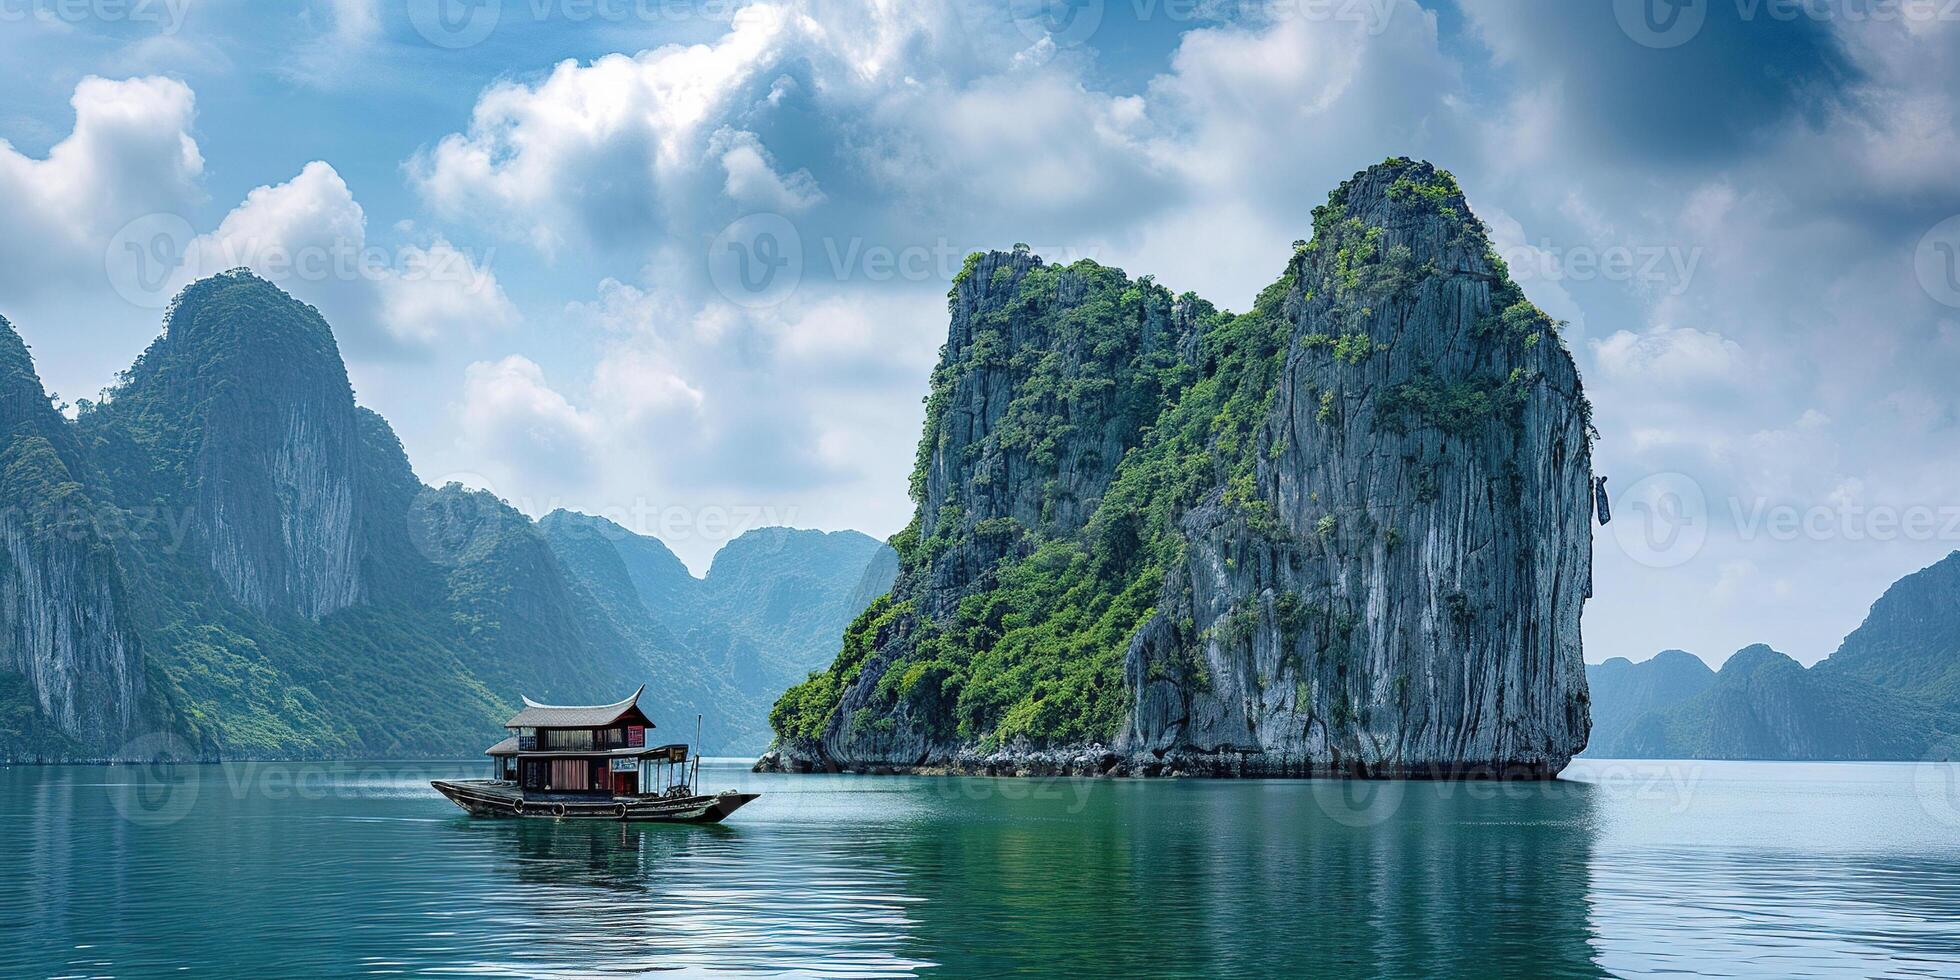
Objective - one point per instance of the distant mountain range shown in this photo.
(228, 557)
(1891, 691)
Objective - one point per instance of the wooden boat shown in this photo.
(589, 763)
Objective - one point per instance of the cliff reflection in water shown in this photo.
(1069, 876)
(1362, 879)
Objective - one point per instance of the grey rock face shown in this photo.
(1396, 587)
(64, 628)
(67, 634)
(980, 480)
(274, 483)
(1417, 610)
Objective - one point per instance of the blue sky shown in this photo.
(518, 217)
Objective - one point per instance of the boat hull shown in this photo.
(485, 798)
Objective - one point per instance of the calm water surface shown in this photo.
(1625, 868)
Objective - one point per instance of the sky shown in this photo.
(683, 263)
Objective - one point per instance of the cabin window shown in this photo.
(573, 739)
(536, 774)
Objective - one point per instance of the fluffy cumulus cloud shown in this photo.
(310, 236)
(130, 154)
(1785, 357)
(870, 106)
(1668, 356)
(882, 142)
(111, 212)
(509, 411)
(754, 226)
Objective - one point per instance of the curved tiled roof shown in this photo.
(537, 715)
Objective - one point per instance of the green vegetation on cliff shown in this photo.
(1038, 654)
(1100, 455)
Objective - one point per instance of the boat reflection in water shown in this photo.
(590, 762)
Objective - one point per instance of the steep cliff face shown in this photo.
(1347, 531)
(78, 673)
(1427, 463)
(244, 404)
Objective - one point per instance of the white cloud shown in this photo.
(752, 180)
(130, 154)
(582, 156)
(634, 384)
(525, 433)
(337, 42)
(439, 291)
(1668, 355)
(310, 236)
(918, 122)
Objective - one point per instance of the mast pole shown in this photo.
(697, 755)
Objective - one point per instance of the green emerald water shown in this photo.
(1623, 868)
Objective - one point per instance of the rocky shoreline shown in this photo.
(1098, 761)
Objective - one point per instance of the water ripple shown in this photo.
(328, 870)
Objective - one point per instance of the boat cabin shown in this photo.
(593, 750)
